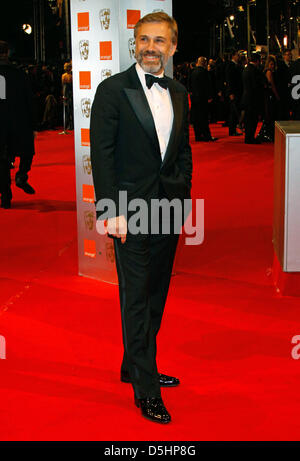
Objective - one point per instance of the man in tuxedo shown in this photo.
(140, 144)
(253, 97)
(234, 87)
(19, 125)
(201, 96)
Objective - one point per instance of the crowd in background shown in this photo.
(218, 89)
(240, 91)
(51, 87)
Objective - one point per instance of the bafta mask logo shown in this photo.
(105, 73)
(109, 250)
(131, 47)
(105, 18)
(86, 163)
(84, 49)
(89, 220)
(86, 107)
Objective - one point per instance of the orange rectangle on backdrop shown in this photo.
(85, 80)
(89, 248)
(85, 137)
(83, 21)
(105, 50)
(88, 193)
(133, 16)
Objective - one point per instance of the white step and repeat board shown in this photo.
(102, 45)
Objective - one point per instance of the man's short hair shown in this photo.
(159, 17)
(3, 48)
(202, 61)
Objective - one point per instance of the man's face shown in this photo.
(287, 56)
(153, 46)
(272, 66)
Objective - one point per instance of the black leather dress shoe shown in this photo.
(153, 409)
(5, 203)
(210, 139)
(27, 188)
(164, 380)
(168, 381)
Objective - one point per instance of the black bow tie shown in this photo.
(150, 79)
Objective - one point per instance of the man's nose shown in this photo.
(151, 45)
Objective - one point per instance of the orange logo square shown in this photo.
(105, 51)
(83, 21)
(85, 80)
(87, 193)
(89, 248)
(133, 16)
(85, 137)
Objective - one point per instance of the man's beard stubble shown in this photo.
(151, 68)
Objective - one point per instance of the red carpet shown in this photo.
(226, 332)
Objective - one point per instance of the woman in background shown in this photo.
(66, 80)
(272, 98)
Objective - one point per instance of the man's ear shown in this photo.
(172, 50)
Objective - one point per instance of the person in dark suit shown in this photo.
(213, 106)
(253, 97)
(19, 119)
(201, 96)
(283, 78)
(234, 89)
(140, 144)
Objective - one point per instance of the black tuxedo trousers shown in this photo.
(144, 269)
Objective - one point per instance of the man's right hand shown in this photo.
(117, 227)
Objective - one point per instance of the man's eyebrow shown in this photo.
(156, 37)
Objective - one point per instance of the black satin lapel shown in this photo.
(177, 102)
(142, 110)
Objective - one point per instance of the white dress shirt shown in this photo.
(161, 107)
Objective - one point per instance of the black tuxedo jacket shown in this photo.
(234, 80)
(201, 87)
(254, 83)
(125, 151)
(283, 78)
